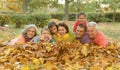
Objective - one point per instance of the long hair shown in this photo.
(24, 32)
(64, 25)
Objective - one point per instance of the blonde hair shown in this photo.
(43, 29)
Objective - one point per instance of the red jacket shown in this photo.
(77, 23)
(100, 39)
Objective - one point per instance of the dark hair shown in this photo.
(64, 25)
(51, 24)
(83, 26)
(81, 13)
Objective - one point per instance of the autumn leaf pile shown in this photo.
(60, 56)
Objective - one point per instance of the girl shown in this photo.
(81, 19)
(45, 36)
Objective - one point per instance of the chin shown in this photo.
(92, 37)
(30, 36)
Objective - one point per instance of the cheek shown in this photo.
(60, 32)
(28, 33)
(90, 33)
(55, 31)
(33, 33)
(64, 32)
(79, 19)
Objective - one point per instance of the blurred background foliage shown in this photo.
(21, 12)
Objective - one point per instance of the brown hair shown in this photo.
(64, 25)
(83, 26)
(81, 13)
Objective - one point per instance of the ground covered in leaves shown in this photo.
(60, 56)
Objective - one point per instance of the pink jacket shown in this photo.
(100, 39)
(19, 39)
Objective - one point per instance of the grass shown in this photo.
(111, 30)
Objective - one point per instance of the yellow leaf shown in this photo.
(41, 60)
(25, 68)
(84, 50)
(110, 68)
(95, 67)
(50, 66)
(36, 61)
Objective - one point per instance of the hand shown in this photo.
(47, 38)
(41, 38)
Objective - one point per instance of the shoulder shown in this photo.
(101, 34)
(52, 40)
(76, 22)
(21, 38)
(85, 37)
(36, 37)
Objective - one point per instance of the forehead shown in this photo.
(91, 27)
(61, 27)
(32, 28)
(80, 28)
(81, 15)
(53, 27)
(45, 31)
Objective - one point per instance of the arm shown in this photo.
(103, 42)
(20, 39)
(75, 26)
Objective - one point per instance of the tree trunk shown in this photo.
(66, 10)
(78, 7)
(114, 15)
(18, 25)
(25, 5)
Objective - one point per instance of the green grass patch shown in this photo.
(111, 30)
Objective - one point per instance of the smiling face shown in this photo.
(53, 30)
(61, 30)
(92, 31)
(31, 32)
(80, 32)
(81, 18)
(46, 35)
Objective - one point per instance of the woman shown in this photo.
(63, 33)
(26, 36)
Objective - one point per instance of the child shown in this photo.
(53, 28)
(45, 36)
(81, 19)
(63, 33)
